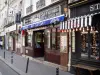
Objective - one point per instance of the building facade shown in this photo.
(10, 13)
(83, 33)
(41, 29)
(3, 14)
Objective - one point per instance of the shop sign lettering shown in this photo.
(95, 7)
(49, 13)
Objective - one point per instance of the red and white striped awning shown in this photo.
(77, 22)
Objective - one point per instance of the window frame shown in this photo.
(50, 29)
(89, 40)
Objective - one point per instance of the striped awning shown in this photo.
(77, 22)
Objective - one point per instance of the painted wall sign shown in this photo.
(48, 13)
(45, 14)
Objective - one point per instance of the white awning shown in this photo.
(77, 22)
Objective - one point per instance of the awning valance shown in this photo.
(77, 22)
(44, 22)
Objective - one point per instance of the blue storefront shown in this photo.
(42, 39)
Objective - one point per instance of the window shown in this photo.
(29, 39)
(91, 40)
(40, 4)
(47, 35)
(95, 46)
(39, 39)
(53, 38)
(29, 9)
(84, 45)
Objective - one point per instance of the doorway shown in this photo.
(39, 43)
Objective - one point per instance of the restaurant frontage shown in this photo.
(84, 35)
(44, 40)
(41, 37)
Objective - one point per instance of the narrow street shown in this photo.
(6, 70)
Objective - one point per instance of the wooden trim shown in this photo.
(56, 38)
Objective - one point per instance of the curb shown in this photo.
(19, 72)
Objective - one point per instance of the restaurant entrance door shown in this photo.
(39, 43)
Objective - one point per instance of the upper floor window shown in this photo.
(40, 4)
(93, 51)
(29, 9)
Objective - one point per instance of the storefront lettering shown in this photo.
(52, 12)
(95, 7)
(46, 14)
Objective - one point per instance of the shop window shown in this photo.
(95, 46)
(47, 37)
(91, 52)
(29, 39)
(84, 45)
(53, 38)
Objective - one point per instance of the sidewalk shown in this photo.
(12, 67)
(35, 67)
